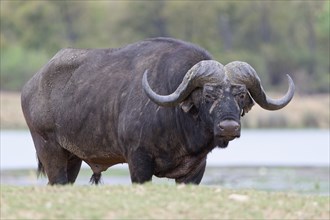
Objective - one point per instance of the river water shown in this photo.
(276, 160)
(254, 147)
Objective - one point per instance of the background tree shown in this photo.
(275, 37)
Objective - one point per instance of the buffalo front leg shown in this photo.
(74, 164)
(141, 166)
(195, 176)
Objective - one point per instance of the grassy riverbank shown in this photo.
(156, 201)
(302, 112)
(302, 180)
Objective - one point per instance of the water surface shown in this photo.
(255, 147)
(272, 160)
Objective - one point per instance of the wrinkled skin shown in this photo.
(223, 103)
(215, 104)
(89, 105)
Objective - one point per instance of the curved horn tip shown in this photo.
(276, 104)
(145, 74)
(291, 83)
(162, 100)
(145, 79)
(292, 87)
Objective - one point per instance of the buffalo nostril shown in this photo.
(229, 126)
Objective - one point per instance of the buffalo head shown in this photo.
(219, 95)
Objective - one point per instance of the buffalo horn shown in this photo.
(207, 71)
(242, 73)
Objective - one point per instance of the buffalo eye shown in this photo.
(241, 101)
(211, 93)
(208, 97)
(241, 97)
(240, 92)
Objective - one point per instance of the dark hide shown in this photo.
(88, 104)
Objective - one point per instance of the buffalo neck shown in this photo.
(196, 138)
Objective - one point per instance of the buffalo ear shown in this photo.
(187, 105)
(191, 103)
(248, 104)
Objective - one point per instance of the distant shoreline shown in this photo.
(310, 111)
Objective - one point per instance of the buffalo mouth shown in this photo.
(225, 131)
(223, 141)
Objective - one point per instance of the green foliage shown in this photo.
(18, 64)
(275, 37)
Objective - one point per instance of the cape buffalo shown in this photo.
(160, 105)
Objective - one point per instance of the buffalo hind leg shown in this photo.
(53, 159)
(141, 166)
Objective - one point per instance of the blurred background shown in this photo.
(275, 37)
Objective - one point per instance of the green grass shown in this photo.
(156, 201)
